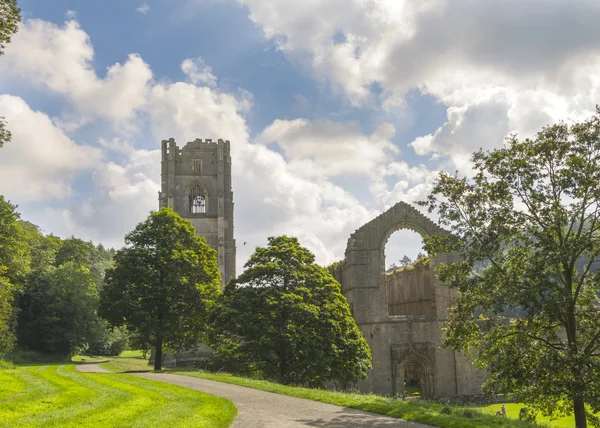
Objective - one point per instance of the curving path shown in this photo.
(261, 409)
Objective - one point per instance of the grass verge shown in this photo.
(128, 361)
(426, 412)
(60, 396)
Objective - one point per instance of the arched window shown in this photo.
(197, 200)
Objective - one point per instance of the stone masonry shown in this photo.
(403, 326)
(196, 183)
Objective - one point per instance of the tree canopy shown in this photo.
(49, 292)
(527, 225)
(285, 318)
(163, 283)
(10, 16)
(14, 265)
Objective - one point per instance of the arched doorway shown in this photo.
(413, 377)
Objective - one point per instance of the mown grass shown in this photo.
(426, 412)
(59, 396)
(128, 361)
(512, 411)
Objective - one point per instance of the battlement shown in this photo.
(170, 147)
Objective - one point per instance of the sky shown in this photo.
(336, 109)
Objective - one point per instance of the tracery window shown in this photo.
(197, 200)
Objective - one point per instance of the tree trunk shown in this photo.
(158, 355)
(283, 370)
(579, 409)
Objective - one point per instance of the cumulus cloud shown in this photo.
(325, 148)
(270, 197)
(60, 59)
(198, 72)
(40, 162)
(499, 67)
(126, 192)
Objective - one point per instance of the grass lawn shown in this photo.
(60, 396)
(128, 361)
(512, 411)
(413, 410)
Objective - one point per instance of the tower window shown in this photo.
(197, 165)
(197, 200)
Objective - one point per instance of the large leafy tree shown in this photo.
(163, 283)
(58, 310)
(527, 225)
(59, 302)
(285, 317)
(14, 265)
(10, 16)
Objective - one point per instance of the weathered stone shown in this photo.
(204, 166)
(403, 326)
(196, 183)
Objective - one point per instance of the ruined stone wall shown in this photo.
(409, 291)
(402, 315)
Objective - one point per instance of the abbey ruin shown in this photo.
(400, 314)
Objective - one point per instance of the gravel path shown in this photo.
(90, 368)
(260, 409)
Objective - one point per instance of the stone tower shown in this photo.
(196, 183)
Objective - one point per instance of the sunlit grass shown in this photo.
(128, 361)
(512, 411)
(423, 411)
(59, 396)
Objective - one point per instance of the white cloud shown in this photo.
(198, 72)
(144, 8)
(40, 162)
(60, 59)
(325, 148)
(70, 14)
(499, 67)
(270, 196)
(127, 192)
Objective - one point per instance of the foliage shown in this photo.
(7, 317)
(405, 261)
(14, 251)
(61, 396)
(58, 306)
(10, 16)
(58, 310)
(5, 134)
(110, 341)
(14, 265)
(163, 283)
(426, 412)
(523, 224)
(285, 318)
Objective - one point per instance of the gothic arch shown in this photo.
(425, 370)
(199, 190)
(368, 241)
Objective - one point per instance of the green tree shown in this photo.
(10, 16)
(405, 261)
(163, 283)
(523, 224)
(14, 266)
(285, 317)
(58, 310)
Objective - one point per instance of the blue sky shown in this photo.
(336, 109)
